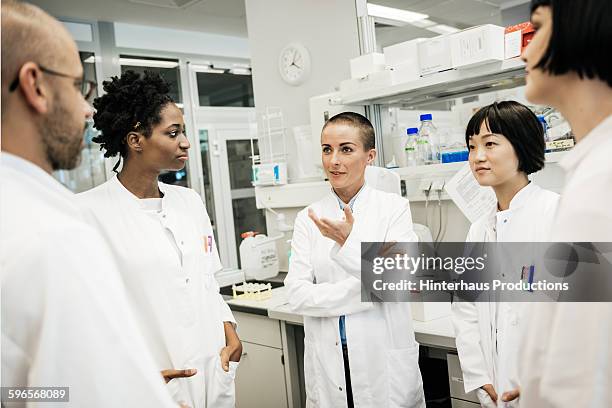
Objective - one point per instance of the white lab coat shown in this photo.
(566, 353)
(488, 346)
(66, 321)
(168, 261)
(323, 283)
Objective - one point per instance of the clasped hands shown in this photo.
(506, 396)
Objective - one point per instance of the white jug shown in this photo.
(258, 257)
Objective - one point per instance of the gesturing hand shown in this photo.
(336, 230)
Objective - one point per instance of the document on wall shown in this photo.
(472, 199)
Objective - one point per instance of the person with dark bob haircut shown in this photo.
(163, 241)
(566, 358)
(506, 144)
(519, 125)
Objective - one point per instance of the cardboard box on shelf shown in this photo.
(434, 55)
(516, 38)
(367, 64)
(477, 45)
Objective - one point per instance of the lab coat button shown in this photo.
(336, 343)
(340, 388)
(505, 221)
(187, 280)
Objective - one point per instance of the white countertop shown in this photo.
(434, 333)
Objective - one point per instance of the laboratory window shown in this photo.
(225, 88)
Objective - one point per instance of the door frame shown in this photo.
(222, 124)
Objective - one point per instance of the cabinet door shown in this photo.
(260, 380)
(455, 379)
(457, 403)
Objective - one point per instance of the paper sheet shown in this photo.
(472, 199)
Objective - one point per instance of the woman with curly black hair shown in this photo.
(163, 241)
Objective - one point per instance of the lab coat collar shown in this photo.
(522, 197)
(358, 201)
(590, 142)
(351, 202)
(28, 168)
(519, 200)
(130, 197)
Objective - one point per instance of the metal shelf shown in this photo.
(300, 195)
(446, 169)
(445, 85)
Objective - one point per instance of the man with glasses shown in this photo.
(66, 321)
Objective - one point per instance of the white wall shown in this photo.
(328, 29)
(179, 41)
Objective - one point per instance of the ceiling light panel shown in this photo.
(390, 13)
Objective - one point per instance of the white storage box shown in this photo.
(367, 64)
(477, 45)
(403, 60)
(406, 72)
(402, 53)
(372, 81)
(434, 55)
(267, 174)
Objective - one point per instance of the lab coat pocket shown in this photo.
(221, 392)
(404, 378)
(177, 392)
(310, 374)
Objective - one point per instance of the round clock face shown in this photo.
(294, 64)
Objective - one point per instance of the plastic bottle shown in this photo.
(546, 134)
(428, 140)
(545, 126)
(410, 149)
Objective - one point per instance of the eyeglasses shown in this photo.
(87, 87)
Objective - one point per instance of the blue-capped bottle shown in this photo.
(428, 140)
(410, 149)
(542, 121)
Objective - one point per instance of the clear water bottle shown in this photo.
(428, 139)
(410, 149)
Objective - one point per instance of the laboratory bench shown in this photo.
(271, 370)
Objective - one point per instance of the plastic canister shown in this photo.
(258, 257)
